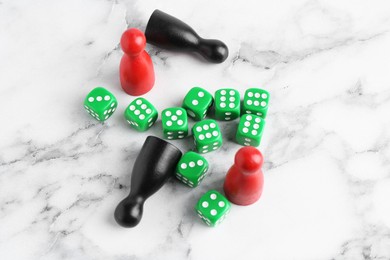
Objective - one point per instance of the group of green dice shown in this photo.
(197, 104)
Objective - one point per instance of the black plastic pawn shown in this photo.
(155, 164)
(168, 32)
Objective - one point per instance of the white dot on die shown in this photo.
(257, 95)
(132, 107)
(216, 143)
(256, 103)
(180, 122)
(109, 111)
(222, 105)
(249, 102)
(232, 99)
(231, 105)
(99, 98)
(113, 109)
(201, 137)
(215, 133)
(91, 99)
(245, 130)
(213, 212)
(254, 132)
(212, 125)
(181, 132)
(195, 102)
(192, 164)
(256, 126)
(208, 135)
(248, 117)
(105, 111)
(190, 113)
(144, 106)
(263, 103)
(228, 113)
(199, 129)
(221, 204)
(199, 162)
(248, 140)
(150, 119)
(148, 111)
(200, 94)
(247, 144)
(142, 117)
(181, 136)
(257, 120)
(113, 104)
(223, 92)
(174, 118)
(169, 123)
(137, 112)
(206, 127)
(179, 112)
(250, 94)
(168, 113)
(223, 98)
(183, 165)
(264, 95)
(205, 204)
(213, 196)
(107, 97)
(247, 124)
(138, 102)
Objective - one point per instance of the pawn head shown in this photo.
(248, 160)
(133, 41)
(129, 211)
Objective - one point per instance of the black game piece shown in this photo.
(154, 165)
(168, 32)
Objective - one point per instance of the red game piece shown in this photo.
(244, 180)
(136, 68)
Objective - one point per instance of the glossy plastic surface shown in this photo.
(136, 68)
(155, 164)
(168, 32)
(244, 181)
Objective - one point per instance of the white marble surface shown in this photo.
(326, 142)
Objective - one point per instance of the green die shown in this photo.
(100, 103)
(250, 130)
(197, 103)
(256, 102)
(174, 123)
(212, 208)
(141, 114)
(207, 136)
(191, 169)
(227, 104)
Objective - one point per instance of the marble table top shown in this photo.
(326, 142)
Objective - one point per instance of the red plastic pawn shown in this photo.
(136, 67)
(244, 180)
